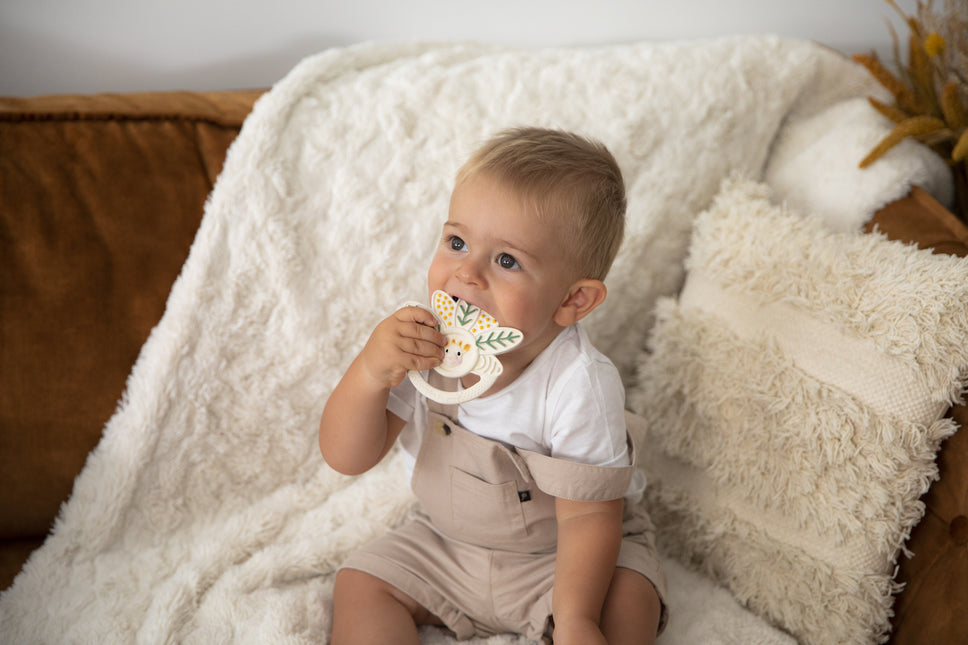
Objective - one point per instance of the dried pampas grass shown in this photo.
(930, 91)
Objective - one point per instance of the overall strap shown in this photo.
(555, 476)
(449, 384)
(577, 481)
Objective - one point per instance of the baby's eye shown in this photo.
(506, 261)
(456, 244)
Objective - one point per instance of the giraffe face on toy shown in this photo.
(474, 338)
(460, 354)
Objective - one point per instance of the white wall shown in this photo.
(58, 46)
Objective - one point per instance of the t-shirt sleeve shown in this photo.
(401, 400)
(588, 415)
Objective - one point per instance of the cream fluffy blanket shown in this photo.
(206, 514)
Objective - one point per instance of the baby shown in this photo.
(523, 525)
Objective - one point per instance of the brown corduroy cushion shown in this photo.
(100, 198)
(933, 607)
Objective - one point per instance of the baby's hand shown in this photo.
(406, 340)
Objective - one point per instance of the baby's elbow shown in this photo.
(338, 462)
(342, 468)
(344, 464)
(345, 452)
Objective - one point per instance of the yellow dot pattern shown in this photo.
(444, 306)
(483, 323)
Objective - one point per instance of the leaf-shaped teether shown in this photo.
(474, 339)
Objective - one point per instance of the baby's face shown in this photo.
(497, 255)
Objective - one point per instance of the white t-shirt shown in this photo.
(569, 404)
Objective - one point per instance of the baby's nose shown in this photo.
(470, 273)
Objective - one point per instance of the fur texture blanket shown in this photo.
(206, 514)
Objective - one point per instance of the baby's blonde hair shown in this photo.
(561, 174)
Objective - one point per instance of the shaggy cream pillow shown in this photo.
(794, 396)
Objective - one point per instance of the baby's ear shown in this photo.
(583, 297)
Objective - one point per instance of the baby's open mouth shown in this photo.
(457, 299)
(464, 300)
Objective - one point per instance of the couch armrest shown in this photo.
(933, 606)
(100, 198)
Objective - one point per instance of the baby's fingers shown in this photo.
(424, 347)
(417, 315)
(423, 363)
(420, 324)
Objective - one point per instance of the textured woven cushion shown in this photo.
(795, 395)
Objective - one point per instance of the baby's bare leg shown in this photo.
(369, 610)
(631, 611)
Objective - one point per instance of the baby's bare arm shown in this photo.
(589, 538)
(356, 430)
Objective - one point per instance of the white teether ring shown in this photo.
(453, 397)
(474, 338)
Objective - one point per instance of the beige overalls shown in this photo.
(480, 553)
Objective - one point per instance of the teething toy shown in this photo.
(474, 338)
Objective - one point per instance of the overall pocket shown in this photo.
(484, 513)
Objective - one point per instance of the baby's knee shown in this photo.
(633, 609)
(355, 585)
(355, 588)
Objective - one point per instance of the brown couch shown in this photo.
(100, 198)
